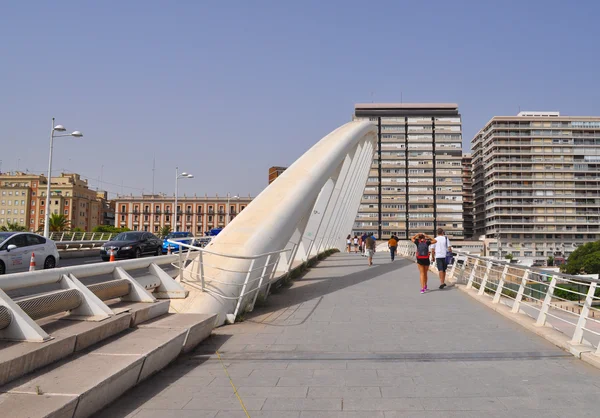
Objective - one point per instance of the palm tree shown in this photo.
(58, 223)
(12, 227)
(164, 231)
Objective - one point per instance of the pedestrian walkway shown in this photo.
(352, 341)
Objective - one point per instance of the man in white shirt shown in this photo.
(441, 248)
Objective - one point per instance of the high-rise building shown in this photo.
(415, 182)
(275, 172)
(536, 183)
(467, 167)
(195, 214)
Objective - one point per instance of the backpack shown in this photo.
(423, 249)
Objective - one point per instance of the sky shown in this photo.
(226, 89)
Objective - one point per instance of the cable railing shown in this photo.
(201, 269)
(570, 304)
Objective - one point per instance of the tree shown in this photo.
(550, 261)
(164, 231)
(59, 222)
(509, 257)
(109, 229)
(585, 259)
(12, 227)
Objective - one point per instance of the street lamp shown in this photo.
(236, 197)
(57, 128)
(178, 176)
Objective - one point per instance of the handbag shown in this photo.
(449, 255)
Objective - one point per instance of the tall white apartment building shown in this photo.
(536, 183)
(415, 182)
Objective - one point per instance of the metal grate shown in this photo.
(51, 303)
(111, 289)
(5, 317)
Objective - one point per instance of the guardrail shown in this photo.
(197, 277)
(572, 301)
(17, 317)
(81, 236)
(93, 244)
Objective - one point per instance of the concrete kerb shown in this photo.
(551, 334)
(562, 341)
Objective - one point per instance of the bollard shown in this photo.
(32, 262)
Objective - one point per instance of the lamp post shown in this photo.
(178, 176)
(75, 134)
(236, 197)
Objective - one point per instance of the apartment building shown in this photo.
(194, 214)
(275, 172)
(536, 184)
(467, 171)
(70, 196)
(415, 182)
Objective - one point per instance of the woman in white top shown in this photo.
(356, 244)
(349, 243)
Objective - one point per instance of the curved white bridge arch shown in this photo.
(310, 208)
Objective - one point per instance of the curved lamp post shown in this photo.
(75, 134)
(178, 176)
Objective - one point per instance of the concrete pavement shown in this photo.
(350, 340)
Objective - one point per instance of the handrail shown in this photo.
(241, 257)
(571, 303)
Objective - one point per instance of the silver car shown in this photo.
(16, 249)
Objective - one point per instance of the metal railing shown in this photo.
(570, 303)
(18, 315)
(81, 236)
(205, 266)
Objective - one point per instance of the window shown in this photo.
(123, 208)
(66, 203)
(66, 212)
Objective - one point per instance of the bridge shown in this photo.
(345, 339)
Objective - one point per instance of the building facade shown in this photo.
(70, 196)
(415, 182)
(275, 172)
(194, 214)
(467, 172)
(536, 184)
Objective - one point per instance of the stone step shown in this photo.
(69, 336)
(81, 385)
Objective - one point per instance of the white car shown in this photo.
(16, 249)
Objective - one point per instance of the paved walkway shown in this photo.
(352, 341)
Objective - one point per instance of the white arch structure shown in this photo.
(310, 208)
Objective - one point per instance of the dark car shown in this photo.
(132, 244)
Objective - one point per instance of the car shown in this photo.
(214, 232)
(177, 236)
(132, 244)
(16, 249)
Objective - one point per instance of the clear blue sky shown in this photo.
(226, 89)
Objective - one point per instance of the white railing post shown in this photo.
(239, 302)
(453, 269)
(585, 311)
(485, 279)
(201, 261)
(498, 293)
(541, 319)
(472, 275)
(262, 275)
(517, 304)
(62, 237)
(93, 235)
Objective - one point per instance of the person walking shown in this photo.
(423, 241)
(356, 244)
(393, 246)
(364, 239)
(370, 248)
(349, 243)
(441, 251)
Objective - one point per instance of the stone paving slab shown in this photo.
(353, 341)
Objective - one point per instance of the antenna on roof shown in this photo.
(372, 97)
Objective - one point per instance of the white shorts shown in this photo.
(369, 253)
